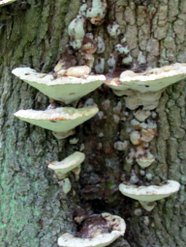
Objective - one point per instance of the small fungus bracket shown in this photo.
(146, 195)
(70, 163)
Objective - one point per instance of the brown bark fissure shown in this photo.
(33, 209)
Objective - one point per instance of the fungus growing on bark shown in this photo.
(61, 119)
(97, 11)
(66, 88)
(152, 80)
(144, 89)
(146, 160)
(100, 44)
(142, 115)
(6, 2)
(76, 32)
(147, 195)
(113, 29)
(121, 49)
(66, 185)
(98, 231)
(70, 163)
(100, 65)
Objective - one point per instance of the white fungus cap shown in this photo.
(61, 119)
(152, 80)
(6, 2)
(68, 164)
(66, 88)
(149, 193)
(101, 240)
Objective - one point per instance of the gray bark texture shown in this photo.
(34, 211)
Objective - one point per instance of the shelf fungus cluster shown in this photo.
(6, 2)
(66, 88)
(73, 78)
(95, 231)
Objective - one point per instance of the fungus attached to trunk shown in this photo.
(144, 89)
(147, 195)
(66, 88)
(61, 119)
(146, 160)
(70, 163)
(152, 80)
(76, 31)
(97, 231)
(97, 12)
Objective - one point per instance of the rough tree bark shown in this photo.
(33, 208)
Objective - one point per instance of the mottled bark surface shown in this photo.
(34, 211)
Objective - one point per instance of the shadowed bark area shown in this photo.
(34, 211)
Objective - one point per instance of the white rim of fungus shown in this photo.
(59, 113)
(149, 193)
(151, 80)
(27, 74)
(61, 119)
(101, 240)
(68, 164)
(64, 88)
(6, 2)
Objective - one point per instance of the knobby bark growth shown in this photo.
(34, 211)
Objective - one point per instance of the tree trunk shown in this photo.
(34, 210)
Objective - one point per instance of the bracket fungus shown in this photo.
(145, 88)
(99, 234)
(70, 163)
(147, 195)
(6, 2)
(66, 88)
(61, 119)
